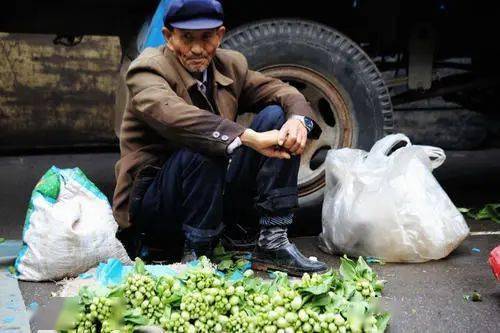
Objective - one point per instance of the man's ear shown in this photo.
(221, 31)
(168, 35)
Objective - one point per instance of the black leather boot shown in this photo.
(286, 258)
(275, 252)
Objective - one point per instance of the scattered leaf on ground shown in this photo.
(490, 211)
(476, 297)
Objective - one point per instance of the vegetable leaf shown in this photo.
(167, 311)
(134, 317)
(355, 314)
(116, 292)
(347, 268)
(320, 301)
(225, 265)
(219, 251)
(139, 267)
(382, 322)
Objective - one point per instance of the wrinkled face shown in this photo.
(194, 48)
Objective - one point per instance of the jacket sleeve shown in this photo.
(260, 90)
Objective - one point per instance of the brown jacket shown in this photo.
(160, 115)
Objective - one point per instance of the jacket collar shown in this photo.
(188, 79)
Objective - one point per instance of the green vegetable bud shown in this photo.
(296, 303)
(329, 317)
(379, 285)
(191, 329)
(240, 290)
(291, 317)
(155, 300)
(248, 273)
(277, 300)
(270, 329)
(303, 316)
(218, 328)
(234, 300)
(272, 315)
(280, 310)
(281, 322)
(209, 299)
(185, 315)
(339, 320)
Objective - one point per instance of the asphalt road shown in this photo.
(422, 297)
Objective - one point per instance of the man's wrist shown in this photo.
(305, 121)
(248, 137)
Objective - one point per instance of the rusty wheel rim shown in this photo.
(331, 109)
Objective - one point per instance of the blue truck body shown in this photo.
(153, 36)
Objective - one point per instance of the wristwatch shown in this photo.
(309, 124)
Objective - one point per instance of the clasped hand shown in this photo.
(289, 140)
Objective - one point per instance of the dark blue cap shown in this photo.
(194, 14)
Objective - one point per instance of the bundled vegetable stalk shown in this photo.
(204, 300)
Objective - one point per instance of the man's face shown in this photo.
(194, 48)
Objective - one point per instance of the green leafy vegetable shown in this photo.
(347, 268)
(203, 300)
(490, 211)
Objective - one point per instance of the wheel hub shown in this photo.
(332, 115)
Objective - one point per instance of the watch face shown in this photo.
(309, 123)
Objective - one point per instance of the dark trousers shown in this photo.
(193, 195)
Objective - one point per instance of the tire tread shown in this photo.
(243, 36)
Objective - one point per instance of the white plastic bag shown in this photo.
(69, 228)
(389, 206)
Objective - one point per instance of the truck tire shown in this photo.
(338, 78)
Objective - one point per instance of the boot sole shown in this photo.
(265, 266)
